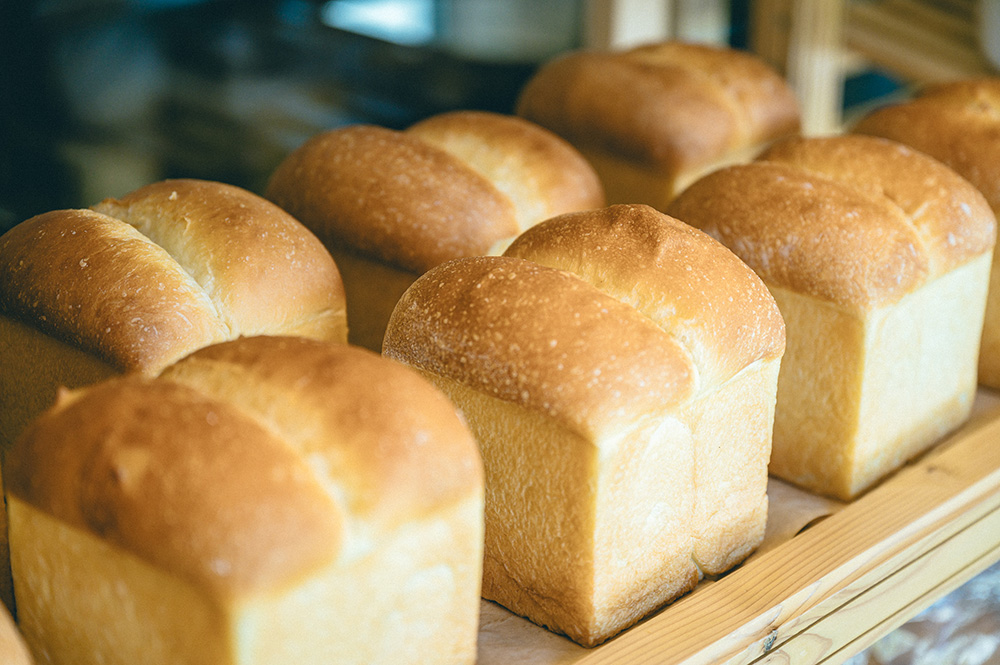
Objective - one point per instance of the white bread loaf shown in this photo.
(957, 123)
(132, 285)
(392, 204)
(878, 257)
(266, 500)
(616, 472)
(13, 650)
(654, 118)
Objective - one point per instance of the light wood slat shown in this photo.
(905, 613)
(619, 24)
(910, 49)
(944, 21)
(814, 63)
(770, 26)
(797, 585)
(913, 588)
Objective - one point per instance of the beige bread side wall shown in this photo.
(646, 530)
(34, 365)
(13, 649)
(6, 581)
(534, 517)
(989, 350)
(928, 368)
(423, 567)
(849, 386)
(628, 182)
(819, 393)
(412, 600)
(172, 622)
(615, 515)
(732, 428)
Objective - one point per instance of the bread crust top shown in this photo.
(451, 186)
(854, 220)
(957, 122)
(166, 269)
(689, 284)
(541, 338)
(673, 105)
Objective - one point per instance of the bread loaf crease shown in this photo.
(259, 501)
(618, 369)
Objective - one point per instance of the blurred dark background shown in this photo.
(102, 96)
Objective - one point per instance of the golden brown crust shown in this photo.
(833, 231)
(531, 335)
(957, 123)
(94, 282)
(239, 467)
(688, 283)
(391, 195)
(540, 172)
(951, 216)
(374, 444)
(265, 272)
(184, 481)
(169, 268)
(674, 106)
(765, 103)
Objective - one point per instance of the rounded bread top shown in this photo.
(689, 284)
(540, 338)
(854, 220)
(240, 490)
(171, 267)
(956, 122)
(179, 479)
(451, 186)
(391, 442)
(265, 272)
(671, 105)
(386, 194)
(96, 283)
(541, 173)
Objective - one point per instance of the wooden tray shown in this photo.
(826, 593)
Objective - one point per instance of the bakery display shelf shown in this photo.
(861, 570)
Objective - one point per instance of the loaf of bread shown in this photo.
(879, 259)
(391, 204)
(132, 285)
(266, 500)
(957, 123)
(13, 650)
(654, 118)
(623, 412)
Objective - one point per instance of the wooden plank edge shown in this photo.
(898, 596)
(876, 632)
(678, 633)
(945, 527)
